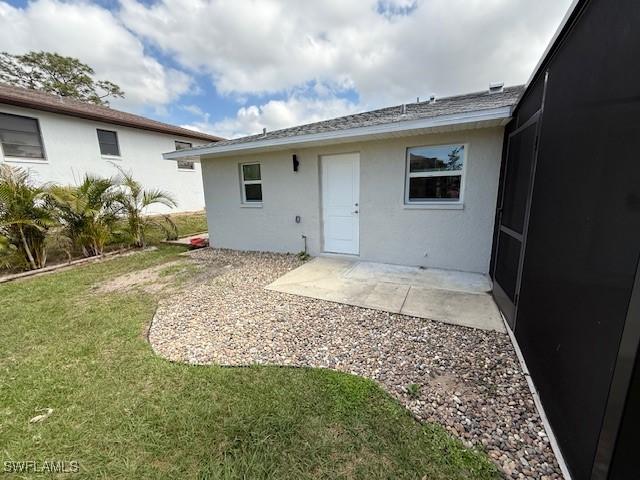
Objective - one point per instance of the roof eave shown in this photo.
(351, 134)
(61, 110)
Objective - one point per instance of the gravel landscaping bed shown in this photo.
(467, 380)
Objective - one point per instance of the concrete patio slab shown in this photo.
(459, 298)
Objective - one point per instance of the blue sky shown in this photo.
(234, 67)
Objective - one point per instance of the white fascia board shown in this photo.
(348, 134)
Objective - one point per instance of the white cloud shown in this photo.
(310, 53)
(98, 38)
(275, 114)
(389, 51)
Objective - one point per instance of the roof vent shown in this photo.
(496, 87)
(404, 108)
(264, 131)
(432, 99)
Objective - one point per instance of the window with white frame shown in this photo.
(435, 174)
(20, 137)
(251, 179)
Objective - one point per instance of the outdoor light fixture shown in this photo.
(295, 162)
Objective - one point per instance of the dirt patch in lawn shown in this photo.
(172, 276)
(150, 280)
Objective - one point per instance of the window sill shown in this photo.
(251, 205)
(26, 160)
(186, 169)
(111, 157)
(433, 206)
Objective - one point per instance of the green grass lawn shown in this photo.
(122, 412)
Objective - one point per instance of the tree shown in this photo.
(87, 212)
(53, 73)
(454, 159)
(134, 201)
(25, 218)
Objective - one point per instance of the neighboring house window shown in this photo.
(20, 137)
(435, 174)
(184, 164)
(251, 182)
(108, 141)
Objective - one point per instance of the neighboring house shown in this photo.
(418, 185)
(60, 140)
(414, 184)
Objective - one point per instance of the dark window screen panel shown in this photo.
(26, 151)
(185, 165)
(516, 189)
(446, 188)
(253, 192)
(251, 172)
(17, 123)
(507, 264)
(20, 136)
(108, 141)
(182, 145)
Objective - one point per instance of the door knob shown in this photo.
(355, 211)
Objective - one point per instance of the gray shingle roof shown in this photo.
(470, 102)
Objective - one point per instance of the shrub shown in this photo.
(134, 202)
(25, 217)
(34, 218)
(87, 212)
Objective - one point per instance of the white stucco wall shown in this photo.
(71, 149)
(390, 231)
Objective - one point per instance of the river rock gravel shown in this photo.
(465, 379)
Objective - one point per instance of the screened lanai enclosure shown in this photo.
(567, 236)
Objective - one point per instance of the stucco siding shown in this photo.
(390, 231)
(72, 149)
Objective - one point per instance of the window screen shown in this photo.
(20, 136)
(186, 165)
(108, 141)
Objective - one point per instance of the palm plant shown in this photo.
(24, 215)
(134, 203)
(8, 252)
(88, 212)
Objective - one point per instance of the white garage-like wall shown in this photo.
(390, 231)
(72, 149)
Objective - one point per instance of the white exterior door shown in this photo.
(341, 203)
